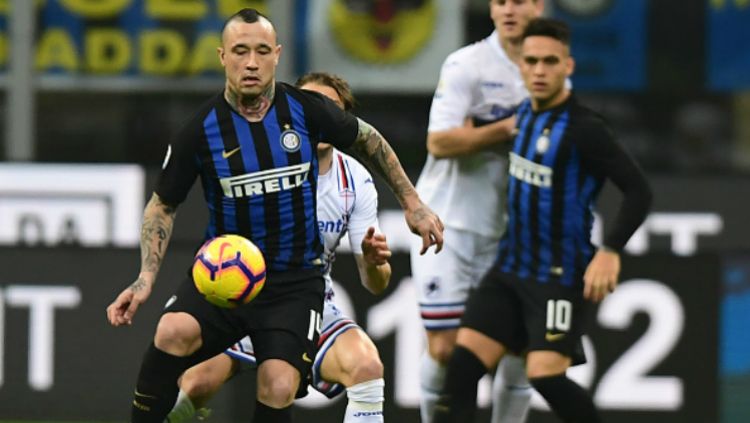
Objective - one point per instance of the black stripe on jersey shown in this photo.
(534, 195)
(583, 257)
(236, 167)
(284, 117)
(312, 177)
(582, 176)
(557, 211)
(516, 200)
(270, 200)
(212, 178)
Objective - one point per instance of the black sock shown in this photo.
(266, 414)
(156, 389)
(567, 399)
(458, 398)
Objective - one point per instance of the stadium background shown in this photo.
(91, 90)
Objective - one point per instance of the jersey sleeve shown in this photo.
(453, 95)
(337, 127)
(605, 157)
(365, 211)
(180, 167)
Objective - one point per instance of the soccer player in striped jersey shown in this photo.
(537, 295)
(346, 358)
(253, 146)
(463, 182)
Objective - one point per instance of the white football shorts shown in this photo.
(444, 280)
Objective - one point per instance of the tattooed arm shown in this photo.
(374, 151)
(158, 220)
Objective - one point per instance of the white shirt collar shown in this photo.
(494, 40)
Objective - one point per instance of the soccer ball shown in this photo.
(229, 270)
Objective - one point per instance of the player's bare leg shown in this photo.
(277, 385)
(354, 362)
(199, 384)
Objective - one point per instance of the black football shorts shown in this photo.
(526, 315)
(283, 320)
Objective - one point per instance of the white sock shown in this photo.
(511, 391)
(365, 402)
(183, 409)
(432, 378)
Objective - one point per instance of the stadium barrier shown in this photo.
(652, 350)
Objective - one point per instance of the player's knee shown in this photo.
(277, 392)
(197, 385)
(178, 334)
(277, 383)
(546, 367)
(366, 368)
(440, 345)
(441, 352)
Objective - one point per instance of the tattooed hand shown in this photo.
(156, 229)
(122, 310)
(423, 222)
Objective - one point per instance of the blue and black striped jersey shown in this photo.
(259, 178)
(558, 164)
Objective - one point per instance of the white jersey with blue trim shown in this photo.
(477, 82)
(347, 203)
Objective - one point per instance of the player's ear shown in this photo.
(220, 50)
(277, 53)
(570, 65)
(539, 6)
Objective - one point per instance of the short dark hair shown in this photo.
(336, 82)
(546, 27)
(247, 15)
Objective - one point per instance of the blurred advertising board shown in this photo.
(727, 24)
(609, 42)
(132, 39)
(389, 45)
(74, 204)
(652, 350)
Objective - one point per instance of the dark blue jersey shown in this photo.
(559, 161)
(259, 178)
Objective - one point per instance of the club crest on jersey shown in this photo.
(542, 143)
(290, 140)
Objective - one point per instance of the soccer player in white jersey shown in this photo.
(347, 358)
(471, 124)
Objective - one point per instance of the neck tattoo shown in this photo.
(252, 109)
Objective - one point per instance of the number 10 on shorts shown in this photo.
(315, 322)
(559, 315)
